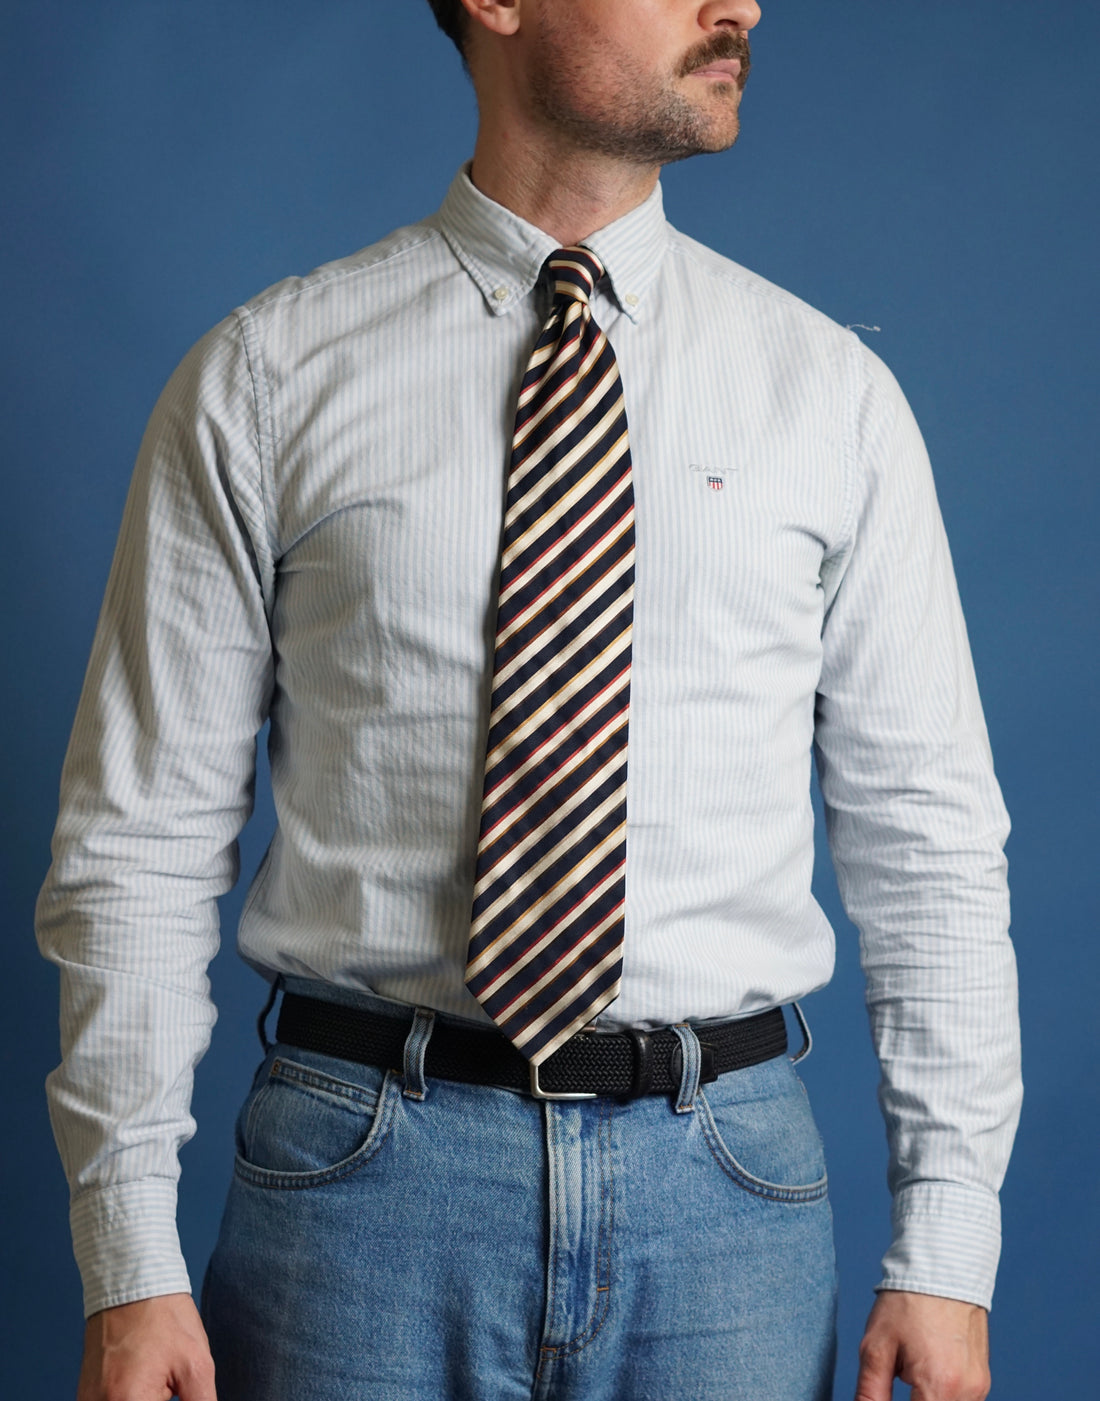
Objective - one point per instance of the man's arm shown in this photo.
(156, 786)
(916, 827)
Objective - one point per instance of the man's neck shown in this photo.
(569, 193)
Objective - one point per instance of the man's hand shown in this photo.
(151, 1350)
(939, 1346)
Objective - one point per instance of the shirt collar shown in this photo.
(504, 254)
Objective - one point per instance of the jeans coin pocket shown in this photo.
(302, 1125)
(759, 1126)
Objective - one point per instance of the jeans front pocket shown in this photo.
(303, 1125)
(759, 1126)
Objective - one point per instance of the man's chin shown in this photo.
(709, 144)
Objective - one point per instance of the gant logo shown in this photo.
(715, 476)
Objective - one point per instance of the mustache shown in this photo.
(723, 45)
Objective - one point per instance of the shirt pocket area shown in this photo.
(302, 1125)
(761, 1131)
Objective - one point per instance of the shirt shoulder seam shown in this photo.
(253, 357)
(341, 269)
(854, 378)
(745, 280)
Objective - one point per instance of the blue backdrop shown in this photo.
(925, 171)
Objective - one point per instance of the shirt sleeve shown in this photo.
(157, 783)
(917, 827)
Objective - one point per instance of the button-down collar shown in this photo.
(504, 254)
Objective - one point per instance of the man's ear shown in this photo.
(498, 16)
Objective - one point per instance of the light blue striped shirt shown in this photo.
(312, 536)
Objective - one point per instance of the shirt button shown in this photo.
(500, 293)
(630, 299)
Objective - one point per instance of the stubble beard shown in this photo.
(642, 124)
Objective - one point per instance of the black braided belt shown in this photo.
(625, 1063)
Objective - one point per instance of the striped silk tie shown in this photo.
(545, 950)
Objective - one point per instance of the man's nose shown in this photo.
(736, 14)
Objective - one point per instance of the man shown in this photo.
(719, 543)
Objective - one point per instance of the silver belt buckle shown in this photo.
(539, 1093)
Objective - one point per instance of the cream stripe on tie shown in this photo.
(545, 951)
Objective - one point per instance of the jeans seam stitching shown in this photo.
(755, 1186)
(600, 1308)
(547, 1353)
(274, 1180)
(312, 1081)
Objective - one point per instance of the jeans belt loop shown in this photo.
(416, 1046)
(690, 1059)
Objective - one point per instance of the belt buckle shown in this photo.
(539, 1093)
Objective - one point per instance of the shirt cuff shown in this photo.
(947, 1241)
(126, 1244)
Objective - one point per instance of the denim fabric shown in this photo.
(475, 1243)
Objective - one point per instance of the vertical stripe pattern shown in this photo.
(545, 951)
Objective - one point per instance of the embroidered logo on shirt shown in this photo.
(716, 477)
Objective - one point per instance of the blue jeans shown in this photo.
(388, 1236)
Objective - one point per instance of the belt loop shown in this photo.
(691, 1057)
(416, 1044)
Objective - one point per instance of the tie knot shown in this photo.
(575, 272)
